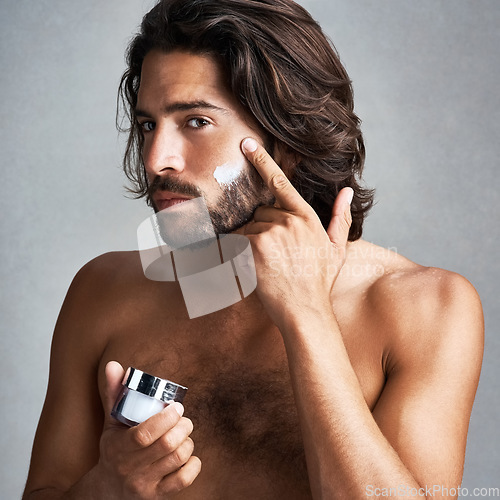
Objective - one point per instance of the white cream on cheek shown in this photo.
(227, 174)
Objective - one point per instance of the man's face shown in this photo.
(193, 127)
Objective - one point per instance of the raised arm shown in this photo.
(416, 436)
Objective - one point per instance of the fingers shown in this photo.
(182, 478)
(172, 441)
(157, 453)
(265, 218)
(114, 373)
(265, 213)
(175, 460)
(169, 474)
(149, 431)
(286, 195)
(170, 453)
(338, 229)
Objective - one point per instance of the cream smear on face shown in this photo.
(226, 175)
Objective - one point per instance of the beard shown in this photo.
(192, 225)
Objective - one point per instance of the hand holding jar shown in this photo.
(150, 458)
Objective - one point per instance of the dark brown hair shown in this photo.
(283, 70)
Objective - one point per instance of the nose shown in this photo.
(163, 150)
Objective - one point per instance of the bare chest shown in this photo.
(240, 399)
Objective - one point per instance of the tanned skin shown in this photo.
(357, 369)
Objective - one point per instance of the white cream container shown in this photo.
(143, 396)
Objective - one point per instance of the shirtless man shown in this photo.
(349, 370)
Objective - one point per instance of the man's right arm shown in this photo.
(80, 451)
(66, 444)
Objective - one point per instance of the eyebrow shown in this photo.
(183, 106)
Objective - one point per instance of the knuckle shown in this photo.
(346, 223)
(310, 216)
(185, 451)
(288, 221)
(122, 470)
(141, 436)
(279, 181)
(178, 457)
(135, 486)
(167, 442)
(184, 478)
(259, 157)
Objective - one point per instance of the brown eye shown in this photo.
(197, 123)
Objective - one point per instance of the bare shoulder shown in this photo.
(429, 309)
(105, 275)
(94, 295)
(429, 323)
(109, 267)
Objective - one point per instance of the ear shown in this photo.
(285, 158)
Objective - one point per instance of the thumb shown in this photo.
(338, 229)
(114, 376)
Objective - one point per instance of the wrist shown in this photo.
(307, 319)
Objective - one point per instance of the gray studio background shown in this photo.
(426, 82)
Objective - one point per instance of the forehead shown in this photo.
(173, 76)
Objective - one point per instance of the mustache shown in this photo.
(170, 184)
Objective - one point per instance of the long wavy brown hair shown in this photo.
(283, 70)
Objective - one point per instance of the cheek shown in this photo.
(228, 173)
(211, 158)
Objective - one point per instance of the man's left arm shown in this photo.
(414, 441)
(416, 436)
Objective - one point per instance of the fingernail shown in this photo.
(249, 145)
(179, 408)
(351, 195)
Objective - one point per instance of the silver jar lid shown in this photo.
(154, 387)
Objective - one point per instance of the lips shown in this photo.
(165, 200)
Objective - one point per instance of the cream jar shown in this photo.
(143, 396)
